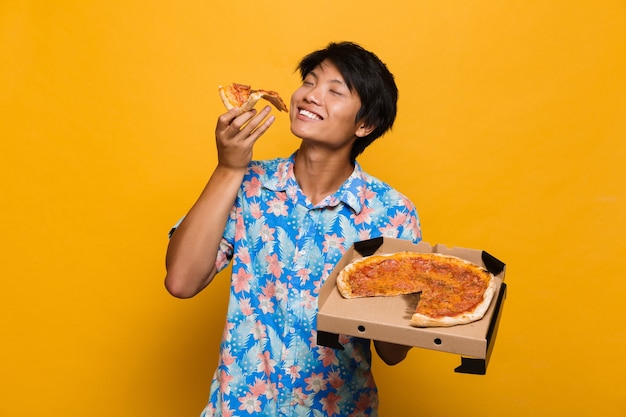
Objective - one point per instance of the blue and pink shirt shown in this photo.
(282, 250)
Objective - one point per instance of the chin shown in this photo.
(299, 133)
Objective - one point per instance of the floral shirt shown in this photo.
(282, 249)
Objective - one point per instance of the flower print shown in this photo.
(258, 388)
(369, 382)
(281, 291)
(244, 256)
(277, 207)
(292, 190)
(332, 242)
(225, 381)
(331, 403)
(357, 356)
(333, 201)
(259, 331)
(250, 403)
(303, 274)
(226, 410)
(398, 220)
(389, 231)
(364, 216)
(252, 188)
(327, 356)
(255, 210)
(266, 363)
(271, 390)
(318, 286)
(274, 265)
(241, 280)
(307, 299)
(267, 233)
(414, 228)
(227, 358)
(246, 308)
(315, 382)
(299, 397)
(240, 228)
(258, 169)
(327, 269)
(228, 331)
(294, 372)
(269, 289)
(364, 234)
(209, 410)
(335, 380)
(366, 193)
(222, 258)
(405, 202)
(265, 304)
(282, 171)
(363, 403)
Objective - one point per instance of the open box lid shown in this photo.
(387, 318)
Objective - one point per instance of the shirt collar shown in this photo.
(350, 193)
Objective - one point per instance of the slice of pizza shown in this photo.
(452, 290)
(244, 97)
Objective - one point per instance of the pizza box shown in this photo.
(387, 318)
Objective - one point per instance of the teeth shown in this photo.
(309, 114)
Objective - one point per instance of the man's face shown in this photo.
(323, 109)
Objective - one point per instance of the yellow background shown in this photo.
(511, 137)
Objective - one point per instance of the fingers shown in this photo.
(236, 135)
(227, 119)
(260, 124)
(247, 125)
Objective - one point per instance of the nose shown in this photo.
(313, 96)
(311, 99)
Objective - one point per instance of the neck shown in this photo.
(321, 175)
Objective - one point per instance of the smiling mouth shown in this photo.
(309, 115)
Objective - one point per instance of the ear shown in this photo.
(363, 129)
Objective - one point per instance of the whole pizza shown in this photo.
(451, 290)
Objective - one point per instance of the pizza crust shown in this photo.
(420, 320)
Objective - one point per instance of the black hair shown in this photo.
(366, 74)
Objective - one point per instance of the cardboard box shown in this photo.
(387, 318)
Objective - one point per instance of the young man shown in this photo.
(284, 224)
